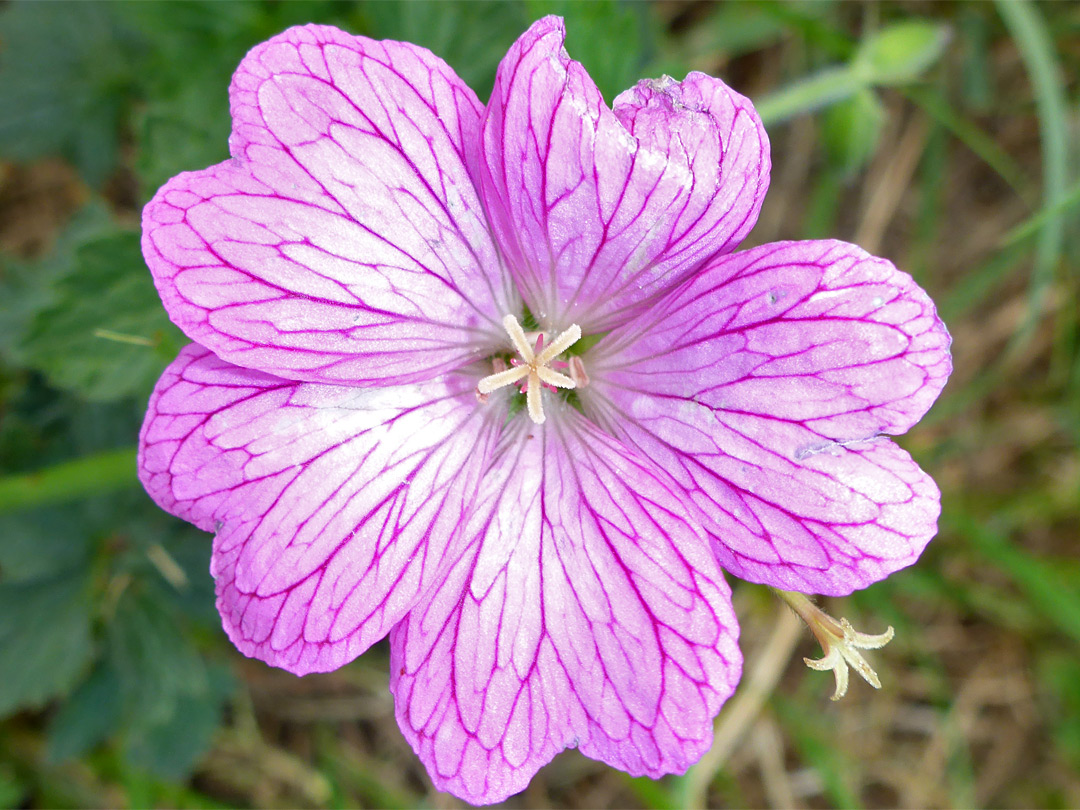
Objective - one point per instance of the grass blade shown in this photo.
(1028, 29)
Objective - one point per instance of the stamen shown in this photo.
(844, 651)
(517, 334)
(534, 367)
(532, 399)
(495, 381)
(577, 372)
(552, 377)
(559, 345)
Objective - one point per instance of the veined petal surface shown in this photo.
(598, 210)
(589, 612)
(334, 508)
(345, 241)
(763, 388)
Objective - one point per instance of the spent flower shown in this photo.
(491, 380)
(840, 643)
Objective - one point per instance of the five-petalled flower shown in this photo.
(358, 280)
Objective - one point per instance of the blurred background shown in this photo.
(940, 135)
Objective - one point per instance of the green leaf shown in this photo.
(41, 543)
(897, 55)
(821, 211)
(732, 29)
(185, 132)
(812, 22)
(727, 30)
(811, 93)
(106, 335)
(87, 717)
(172, 747)
(13, 790)
(25, 293)
(26, 287)
(185, 123)
(153, 656)
(1042, 581)
(851, 130)
(44, 638)
(1029, 30)
(902, 52)
(1036, 223)
(652, 793)
(976, 73)
(42, 427)
(65, 81)
(200, 30)
(938, 107)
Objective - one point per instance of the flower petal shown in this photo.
(763, 387)
(333, 507)
(345, 240)
(589, 612)
(597, 209)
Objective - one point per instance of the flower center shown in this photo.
(534, 367)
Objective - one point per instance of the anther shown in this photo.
(577, 372)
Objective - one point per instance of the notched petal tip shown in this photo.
(488, 676)
(618, 203)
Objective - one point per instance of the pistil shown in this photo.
(533, 368)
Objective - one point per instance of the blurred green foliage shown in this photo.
(97, 295)
(110, 649)
(67, 84)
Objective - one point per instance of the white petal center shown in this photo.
(534, 368)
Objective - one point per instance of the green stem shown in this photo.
(815, 618)
(1036, 223)
(819, 90)
(79, 478)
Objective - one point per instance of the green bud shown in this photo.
(901, 52)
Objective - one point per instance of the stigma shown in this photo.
(534, 368)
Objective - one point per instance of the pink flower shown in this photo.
(350, 422)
